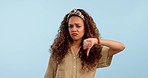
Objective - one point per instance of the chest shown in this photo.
(71, 68)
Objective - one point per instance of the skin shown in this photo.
(114, 46)
(76, 28)
(76, 31)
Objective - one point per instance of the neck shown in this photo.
(76, 43)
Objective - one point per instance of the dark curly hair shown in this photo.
(61, 44)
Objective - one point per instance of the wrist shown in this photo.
(97, 40)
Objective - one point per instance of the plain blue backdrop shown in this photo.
(28, 28)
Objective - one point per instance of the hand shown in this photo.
(89, 42)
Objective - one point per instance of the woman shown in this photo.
(78, 50)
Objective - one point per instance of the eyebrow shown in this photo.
(75, 24)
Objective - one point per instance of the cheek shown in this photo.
(68, 30)
(82, 32)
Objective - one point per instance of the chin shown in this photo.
(76, 39)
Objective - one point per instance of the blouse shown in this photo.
(71, 66)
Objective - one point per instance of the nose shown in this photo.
(74, 29)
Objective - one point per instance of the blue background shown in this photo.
(28, 28)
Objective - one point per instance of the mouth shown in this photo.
(74, 34)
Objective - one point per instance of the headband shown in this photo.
(75, 12)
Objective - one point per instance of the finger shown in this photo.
(85, 44)
(88, 51)
(84, 47)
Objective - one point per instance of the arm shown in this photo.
(114, 46)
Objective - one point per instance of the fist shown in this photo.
(88, 43)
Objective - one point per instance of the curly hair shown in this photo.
(61, 43)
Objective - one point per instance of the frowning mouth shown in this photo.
(74, 34)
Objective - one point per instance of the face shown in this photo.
(76, 28)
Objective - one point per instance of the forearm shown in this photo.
(114, 45)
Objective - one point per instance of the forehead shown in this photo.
(75, 19)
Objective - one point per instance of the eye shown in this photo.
(70, 26)
(78, 26)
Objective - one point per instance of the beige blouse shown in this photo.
(72, 65)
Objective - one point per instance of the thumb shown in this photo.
(88, 51)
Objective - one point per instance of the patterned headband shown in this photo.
(75, 12)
